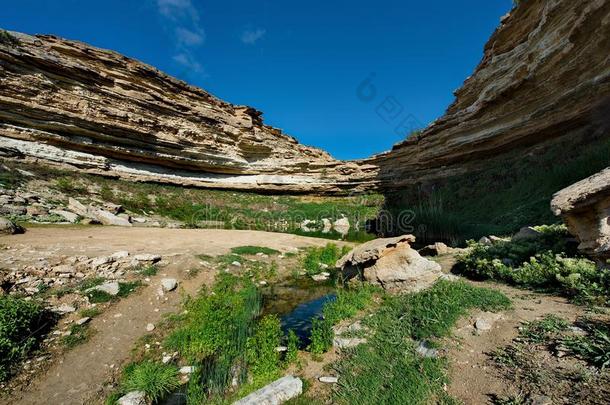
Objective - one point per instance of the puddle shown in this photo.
(297, 304)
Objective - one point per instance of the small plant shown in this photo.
(543, 330)
(148, 271)
(66, 185)
(263, 358)
(318, 259)
(292, 345)
(321, 336)
(253, 250)
(21, 324)
(78, 334)
(155, 379)
(594, 347)
(90, 312)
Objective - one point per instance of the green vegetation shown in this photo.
(8, 39)
(200, 208)
(263, 359)
(540, 264)
(155, 379)
(90, 312)
(292, 346)
(148, 271)
(22, 323)
(317, 259)
(540, 331)
(386, 369)
(348, 303)
(78, 334)
(594, 347)
(253, 250)
(125, 288)
(506, 193)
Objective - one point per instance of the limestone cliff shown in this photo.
(70, 103)
(545, 75)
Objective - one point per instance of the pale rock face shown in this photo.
(585, 208)
(342, 226)
(133, 398)
(275, 393)
(390, 263)
(8, 227)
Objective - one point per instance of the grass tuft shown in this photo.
(252, 250)
(155, 379)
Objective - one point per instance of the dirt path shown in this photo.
(77, 378)
(473, 380)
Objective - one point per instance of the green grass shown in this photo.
(594, 347)
(347, 304)
(193, 206)
(506, 193)
(98, 297)
(542, 330)
(90, 312)
(253, 250)
(155, 379)
(22, 324)
(263, 360)
(316, 257)
(78, 334)
(539, 264)
(386, 369)
(148, 271)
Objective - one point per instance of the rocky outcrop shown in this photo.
(585, 208)
(390, 263)
(72, 104)
(544, 76)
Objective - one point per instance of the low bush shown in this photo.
(539, 264)
(263, 358)
(22, 323)
(155, 379)
(318, 258)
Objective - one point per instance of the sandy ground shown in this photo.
(78, 376)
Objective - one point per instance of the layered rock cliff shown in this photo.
(544, 78)
(545, 74)
(69, 103)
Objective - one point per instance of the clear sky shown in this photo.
(305, 64)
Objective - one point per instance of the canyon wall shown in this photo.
(69, 103)
(544, 78)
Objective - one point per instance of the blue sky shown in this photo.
(310, 66)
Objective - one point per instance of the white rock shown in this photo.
(169, 284)
(108, 218)
(236, 264)
(275, 393)
(64, 309)
(186, 369)
(281, 349)
(133, 398)
(482, 324)
(147, 257)
(83, 321)
(139, 220)
(319, 277)
(120, 255)
(423, 350)
(344, 343)
(111, 288)
(327, 225)
(67, 215)
(64, 268)
(100, 261)
(150, 327)
(342, 226)
(329, 379)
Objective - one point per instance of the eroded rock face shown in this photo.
(390, 263)
(544, 77)
(585, 208)
(70, 103)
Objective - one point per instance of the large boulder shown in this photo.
(276, 393)
(390, 263)
(585, 208)
(8, 227)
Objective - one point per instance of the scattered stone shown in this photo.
(425, 351)
(64, 268)
(526, 233)
(147, 257)
(540, 400)
(308, 225)
(319, 277)
(101, 260)
(8, 209)
(236, 264)
(326, 225)
(76, 206)
(345, 343)
(187, 370)
(67, 215)
(108, 218)
(120, 255)
(111, 288)
(8, 227)
(150, 327)
(168, 284)
(139, 220)
(437, 249)
(485, 241)
(277, 392)
(64, 309)
(390, 263)
(482, 325)
(342, 226)
(133, 398)
(281, 349)
(83, 321)
(328, 380)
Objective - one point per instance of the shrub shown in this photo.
(595, 346)
(292, 346)
(155, 379)
(21, 324)
(327, 255)
(263, 358)
(321, 336)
